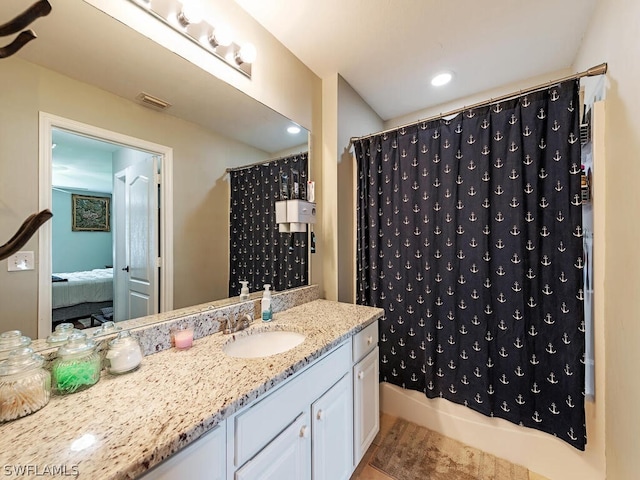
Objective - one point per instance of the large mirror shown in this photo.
(88, 68)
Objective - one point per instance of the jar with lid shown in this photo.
(106, 328)
(77, 365)
(124, 354)
(25, 386)
(61, 333)
(11, 340)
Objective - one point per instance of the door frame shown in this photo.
(47, 122)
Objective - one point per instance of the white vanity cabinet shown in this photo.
(316, 425)
(204, 458)
(366, 390)
(295, 418)
(288, 456)
(332, 439)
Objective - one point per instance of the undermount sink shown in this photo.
(262, 344)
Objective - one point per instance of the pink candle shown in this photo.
(183, 338)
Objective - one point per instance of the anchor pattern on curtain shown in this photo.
(469, 236)
(258, 252)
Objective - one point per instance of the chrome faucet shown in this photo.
(235, 324)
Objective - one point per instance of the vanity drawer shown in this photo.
(261, 422)
(365, 341)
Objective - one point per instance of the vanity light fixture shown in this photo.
(441, 79)
(222, 36)
(187, 18)
(190, 14)
(246, 54)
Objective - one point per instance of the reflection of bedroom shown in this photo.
(82, 260)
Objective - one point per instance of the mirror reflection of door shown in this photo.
(86, 264)
(135, 199)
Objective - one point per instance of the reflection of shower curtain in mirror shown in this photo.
(470, 238)
(258, 252)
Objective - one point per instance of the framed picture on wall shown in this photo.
(90, 214)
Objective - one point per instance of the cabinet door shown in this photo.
(366, 411)
(332, 440)
(287, 457)
(203, 459)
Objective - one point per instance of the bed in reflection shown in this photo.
(77, 295)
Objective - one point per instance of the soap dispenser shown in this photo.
(244, 291)
(265, 304)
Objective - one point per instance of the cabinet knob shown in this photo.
(360, 375)
(320, 415)
(303, 432)
(369, 340)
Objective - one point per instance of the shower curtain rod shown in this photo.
(591, 72)
(262, 162)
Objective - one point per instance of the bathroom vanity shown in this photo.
(307, 413)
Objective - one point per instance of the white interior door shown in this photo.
(136, 251)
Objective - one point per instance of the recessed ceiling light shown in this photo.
(293, 129)
(441, 79)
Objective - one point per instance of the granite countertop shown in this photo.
(126, 424)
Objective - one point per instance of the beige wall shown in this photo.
(328, 208)
(355, 118)
(200, 189)
(613, 38)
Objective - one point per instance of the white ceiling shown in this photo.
(388, 50)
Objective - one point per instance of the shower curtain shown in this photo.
(258, 252)
(469, 236)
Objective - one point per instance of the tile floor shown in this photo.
(364, 471)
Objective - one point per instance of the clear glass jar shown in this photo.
(106, 328)
(124, 354)
(11, 340)
(25, 387)
(61, 333)
(77, 365)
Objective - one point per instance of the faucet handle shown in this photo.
(247, 320)
(230, 326)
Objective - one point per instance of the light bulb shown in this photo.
(191, 13)
(246, 54)
(222, 36)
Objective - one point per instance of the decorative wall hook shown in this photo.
(24, 233)
(38, 9)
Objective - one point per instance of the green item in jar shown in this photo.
(69, 377)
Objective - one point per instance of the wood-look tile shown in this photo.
(370, 473)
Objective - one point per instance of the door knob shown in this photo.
(126, 269)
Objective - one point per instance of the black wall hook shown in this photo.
(38, 9)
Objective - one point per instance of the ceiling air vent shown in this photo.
(153, 102)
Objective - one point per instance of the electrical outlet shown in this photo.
(20, 261)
